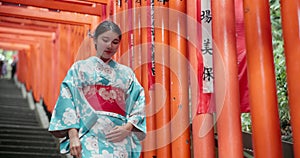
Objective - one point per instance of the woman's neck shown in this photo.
(105, 60)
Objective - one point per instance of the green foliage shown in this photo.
(246, 122)
(280, 70)
(6, 55)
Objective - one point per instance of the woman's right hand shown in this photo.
(75, 145)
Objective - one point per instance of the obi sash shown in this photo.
(106, 98)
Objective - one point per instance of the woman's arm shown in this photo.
(59, 134)
(75, 145)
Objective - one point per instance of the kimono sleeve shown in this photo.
(64, 115)
(136, 114)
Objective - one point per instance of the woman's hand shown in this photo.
(119, 133)
(75, 145)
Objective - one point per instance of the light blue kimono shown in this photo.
(114, 84)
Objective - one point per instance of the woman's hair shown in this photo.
(107, 26)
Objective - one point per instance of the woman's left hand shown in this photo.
(119, 133)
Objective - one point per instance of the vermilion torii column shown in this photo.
(149, 144)
(179, 80)
(118, 18)
(261, 79)
(291, 30)
(162, 79)
(124, 24)
(202, 123)
(226, 80)
(137, 40)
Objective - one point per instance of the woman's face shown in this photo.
(107, 45)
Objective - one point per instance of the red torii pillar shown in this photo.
(149, 144)
(291, 29)
(124, 24)
(118, 18)
(180, 134)
(261, 79)
(137, 40)
(162, 79)
(226, 80)
(202, 124)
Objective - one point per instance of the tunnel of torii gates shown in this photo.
(202, 63)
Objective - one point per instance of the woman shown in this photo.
(100, 110)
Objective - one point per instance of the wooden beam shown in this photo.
(17, 41)
(105, 2)
(21, 37)
(8, 48)
(43, 15)
(60, 5)
(26, 32)
(28, 22)
(27, 27)
(13, 46)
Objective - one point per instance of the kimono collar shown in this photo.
(110, 62)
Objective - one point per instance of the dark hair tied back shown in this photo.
(107, 26)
